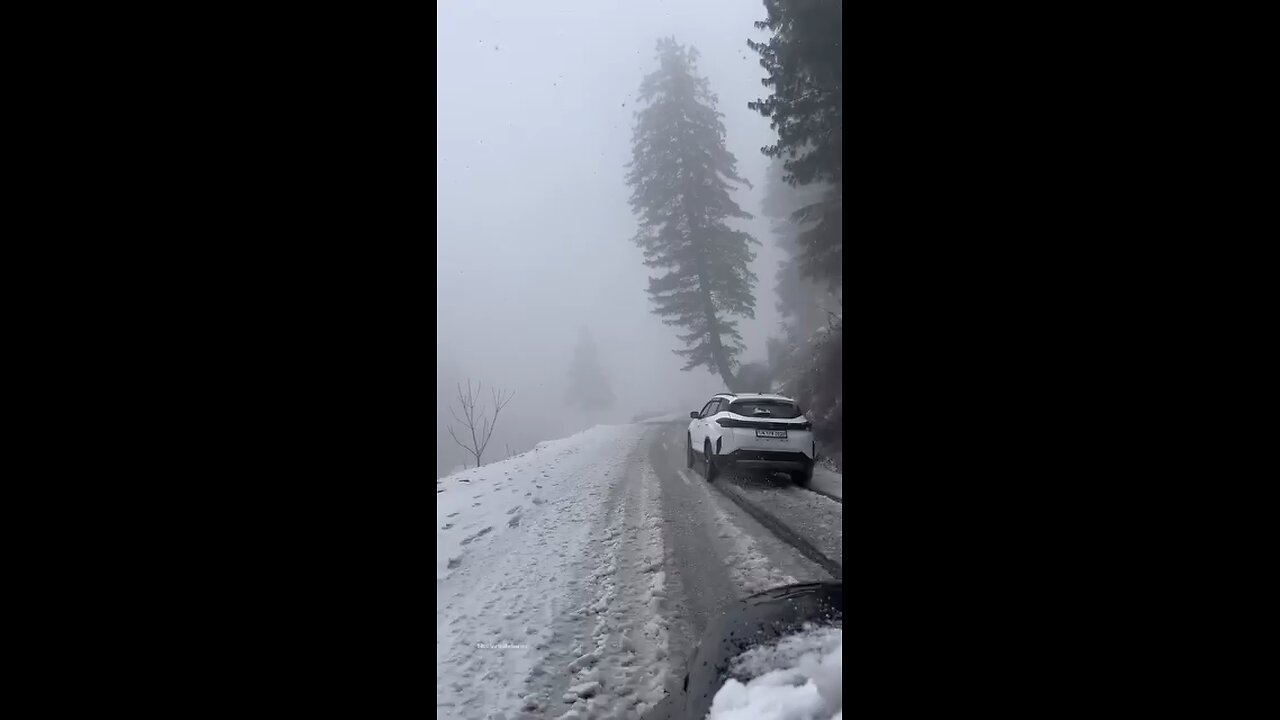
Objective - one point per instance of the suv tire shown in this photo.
(802, 477)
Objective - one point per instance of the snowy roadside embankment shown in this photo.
(661, 417)
(549, 592)
(828, 482)
(796, 678)
(476, 507)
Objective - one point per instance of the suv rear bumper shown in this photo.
(767, 459)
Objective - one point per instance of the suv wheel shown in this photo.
(802, 477)
(688, 444)
(710, 460)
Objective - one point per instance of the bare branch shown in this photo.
(500, 403)
(455, 439)
(475, 417)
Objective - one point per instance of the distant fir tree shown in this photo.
(588, 387)
(803, 60)
(680, 176)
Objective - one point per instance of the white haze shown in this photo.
(534, 117)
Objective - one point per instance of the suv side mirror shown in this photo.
(694, 414)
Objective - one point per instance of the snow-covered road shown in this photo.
(573, 580)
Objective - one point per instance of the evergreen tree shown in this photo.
(802, 301)
(803, 59)
(680, 176)
(588, 387)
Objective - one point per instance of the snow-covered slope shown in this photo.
(549, 590)
(827, 481)
(478, 507)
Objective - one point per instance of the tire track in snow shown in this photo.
(749, 567)
(786, 531)
(716, 554)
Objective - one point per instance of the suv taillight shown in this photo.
(731, 423)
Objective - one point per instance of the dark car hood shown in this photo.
(756, 620)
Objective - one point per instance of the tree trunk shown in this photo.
(717, 349)
(713, 323)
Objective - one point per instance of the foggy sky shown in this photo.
(534, 119)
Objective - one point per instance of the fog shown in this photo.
(533, 235)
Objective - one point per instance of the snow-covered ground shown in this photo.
(572, 580)
(751, 569)
(549, 583)
(827, 481)
(795, 678)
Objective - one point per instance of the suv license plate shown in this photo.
(771, 433)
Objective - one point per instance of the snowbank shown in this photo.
(827, 481)
(474, 507)
(796, 678)
(549, 593)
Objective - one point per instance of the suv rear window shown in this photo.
(765, 408)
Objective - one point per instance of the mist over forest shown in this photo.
(609, 246)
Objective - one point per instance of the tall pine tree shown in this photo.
(803, 59)
(588, 388)
(680, 176)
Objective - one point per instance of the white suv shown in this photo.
(750, 430)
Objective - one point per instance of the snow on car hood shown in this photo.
(795, 678)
